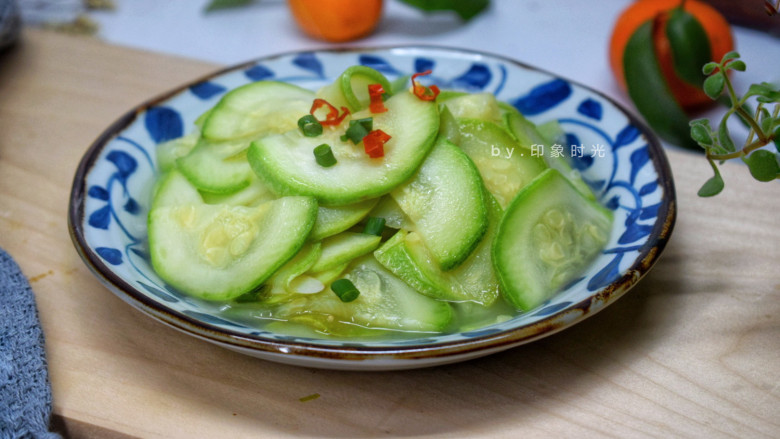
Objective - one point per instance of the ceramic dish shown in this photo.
(618, 156)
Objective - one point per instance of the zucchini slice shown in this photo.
(218, 252)
(351, 88)
(256, 109)
(528, 135)
(286, 161)
(473, 281)
(504, 164)
(336, 219)
(343, 248)
(219, 168)
(445, 202)
(549, 233)
(385, 302)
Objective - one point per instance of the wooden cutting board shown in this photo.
(692, 351)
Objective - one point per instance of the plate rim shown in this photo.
(444, 351)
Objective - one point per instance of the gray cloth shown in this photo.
(25, 394)
(10, 23)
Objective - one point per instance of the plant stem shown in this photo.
(738, 108)
(741, 153)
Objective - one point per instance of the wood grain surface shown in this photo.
(692, 351)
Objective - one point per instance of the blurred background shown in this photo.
(566, 37)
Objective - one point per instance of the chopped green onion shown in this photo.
(310, 126)
(367, 122)
(374, 226)
(359, 128)
(345, 289)
(324, 155)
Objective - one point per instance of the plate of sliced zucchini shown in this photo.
(373, 209)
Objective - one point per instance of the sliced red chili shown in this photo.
(375, 92)
(422, 92)
(374, 143)
(333, 117)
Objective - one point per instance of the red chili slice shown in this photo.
(422, 92)
(374, 143)
(332, 118)
(375, 92)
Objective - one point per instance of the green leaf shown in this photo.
(724, 137)
(709, 68)
(763, 165)
(466, 9)
(701, 134)
(713, 85)
(690, 46)
(729, 56)
(649, 91)
(215, 5)
(766, 124)
(737, 65)
(777, 139)
(766, 92)
(712, 187)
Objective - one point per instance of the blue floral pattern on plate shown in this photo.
(626, 169)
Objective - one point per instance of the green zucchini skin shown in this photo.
(256, 109)
(549, 233)
(219, 252)
(474, 280)
(445, 202)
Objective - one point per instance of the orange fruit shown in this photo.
(714, 24)
(336, 20)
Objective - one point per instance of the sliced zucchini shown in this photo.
(523, 130)
(480, 106)
(254, 194)
(552, 132)
(168, 152)
(395, 218)
(327, 277)
(336, 219)
(446, 95)
(286, 161)
(173, 189)
(504, 164)
(445, 202)
(219, 252)
(256, 109)
(548, 235)
(343, 248)
(385, 302)
(528, 134)
(202, 118)
(219, 168)
(351, 88)
(448, 126)
(285, 283)
(474, 280)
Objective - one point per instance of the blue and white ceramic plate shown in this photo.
(617, 155)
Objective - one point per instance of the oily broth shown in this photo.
(467, 316)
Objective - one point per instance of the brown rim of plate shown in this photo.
(551, 324)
